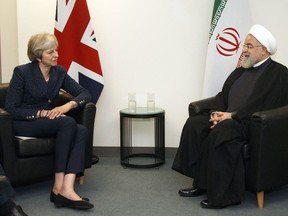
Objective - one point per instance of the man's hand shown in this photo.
(219, 116)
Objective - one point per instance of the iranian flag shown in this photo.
(230, 23)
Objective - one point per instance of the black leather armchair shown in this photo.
(29, 160)
(266, 154)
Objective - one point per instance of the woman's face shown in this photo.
(50, 57)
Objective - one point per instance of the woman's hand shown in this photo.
(59, 111)
(219, 116)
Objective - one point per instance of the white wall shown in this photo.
(8, 38)
(149, 46)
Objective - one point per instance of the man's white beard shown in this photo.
(248, 62)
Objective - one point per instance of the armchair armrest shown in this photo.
(200, 106)
(84, 115)
(268, 141)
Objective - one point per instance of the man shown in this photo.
(210, 145)
(7, 206)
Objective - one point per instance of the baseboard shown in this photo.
(115, 151)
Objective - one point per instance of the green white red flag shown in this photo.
(230, 23)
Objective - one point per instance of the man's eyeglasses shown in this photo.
(250, 46)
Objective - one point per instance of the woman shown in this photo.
(32, 91)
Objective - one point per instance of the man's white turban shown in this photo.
(264, 37)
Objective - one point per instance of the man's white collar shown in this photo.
(261, 62)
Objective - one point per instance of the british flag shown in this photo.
(77, 49)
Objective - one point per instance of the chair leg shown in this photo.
(81, 180)
(260, 199)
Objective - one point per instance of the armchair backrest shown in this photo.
(3, 93)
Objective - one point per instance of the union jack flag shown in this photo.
(78, 46)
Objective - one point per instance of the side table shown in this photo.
(127, 150)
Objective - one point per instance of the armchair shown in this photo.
(266, 154)
(28, 160)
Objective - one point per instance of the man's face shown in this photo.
(253, 51)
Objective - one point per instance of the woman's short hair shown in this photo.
(38, 43)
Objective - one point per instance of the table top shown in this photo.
(142, 112)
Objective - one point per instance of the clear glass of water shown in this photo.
(150, 102)
(132, 102)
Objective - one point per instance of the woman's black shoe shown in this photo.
(61, 201)
(53, 197)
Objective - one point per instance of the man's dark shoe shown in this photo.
(191, 192)
(17, 211)
(206, 204)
